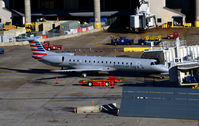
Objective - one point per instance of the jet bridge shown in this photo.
(181, 60)
(186, 73)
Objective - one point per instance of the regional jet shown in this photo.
(85, 64)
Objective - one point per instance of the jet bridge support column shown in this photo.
(97, 13)
(27, 11)
(197, 14)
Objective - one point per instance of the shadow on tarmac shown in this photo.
(34, 71)
(78, 74)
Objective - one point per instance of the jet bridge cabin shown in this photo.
(186, 74)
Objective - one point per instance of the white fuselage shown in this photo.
(105, 63)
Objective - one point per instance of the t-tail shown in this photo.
(37, 49)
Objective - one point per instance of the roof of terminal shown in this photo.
(188, 65)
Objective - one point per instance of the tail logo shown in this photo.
(37, 49)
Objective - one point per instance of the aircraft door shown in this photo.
(137, 66)
(63, 59)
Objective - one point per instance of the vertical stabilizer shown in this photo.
(37, 49)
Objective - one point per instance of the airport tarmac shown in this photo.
(29, 95)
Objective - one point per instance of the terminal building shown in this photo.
(165, 10)
(165, 14)
(5, 14)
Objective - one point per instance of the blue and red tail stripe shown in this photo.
(37, 49)
(38, 54)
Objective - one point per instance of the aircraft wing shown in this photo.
(76, 70)
(87, 69)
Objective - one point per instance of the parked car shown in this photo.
(1, 51)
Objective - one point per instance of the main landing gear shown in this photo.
(84, 75)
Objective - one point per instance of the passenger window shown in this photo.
(94, 61)
(85, 61)
(102, 61)
(118, 63)
(69, 60)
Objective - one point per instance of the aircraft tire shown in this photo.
(161, 77)
(84, 75)
(106, 84)
(90, 84)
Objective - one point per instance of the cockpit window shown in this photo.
(154, 63)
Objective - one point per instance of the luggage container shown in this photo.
(66, 26)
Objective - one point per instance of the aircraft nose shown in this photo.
(163, 69)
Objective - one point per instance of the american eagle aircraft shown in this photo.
(85, 64)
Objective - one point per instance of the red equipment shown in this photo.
(105, 82)
(173, 35)
(48, 46)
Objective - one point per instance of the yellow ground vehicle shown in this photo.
(153, 38)
(29, 27)
(187, 24)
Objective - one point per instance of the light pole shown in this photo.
(27, 11)
(97, 14)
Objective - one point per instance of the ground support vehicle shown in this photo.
(121, 41)
(147, 42)
(173, 35)
(153, 38)
(1, 51)
(29, 27)
(47, 46)
(111, 81)
(8, 27)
